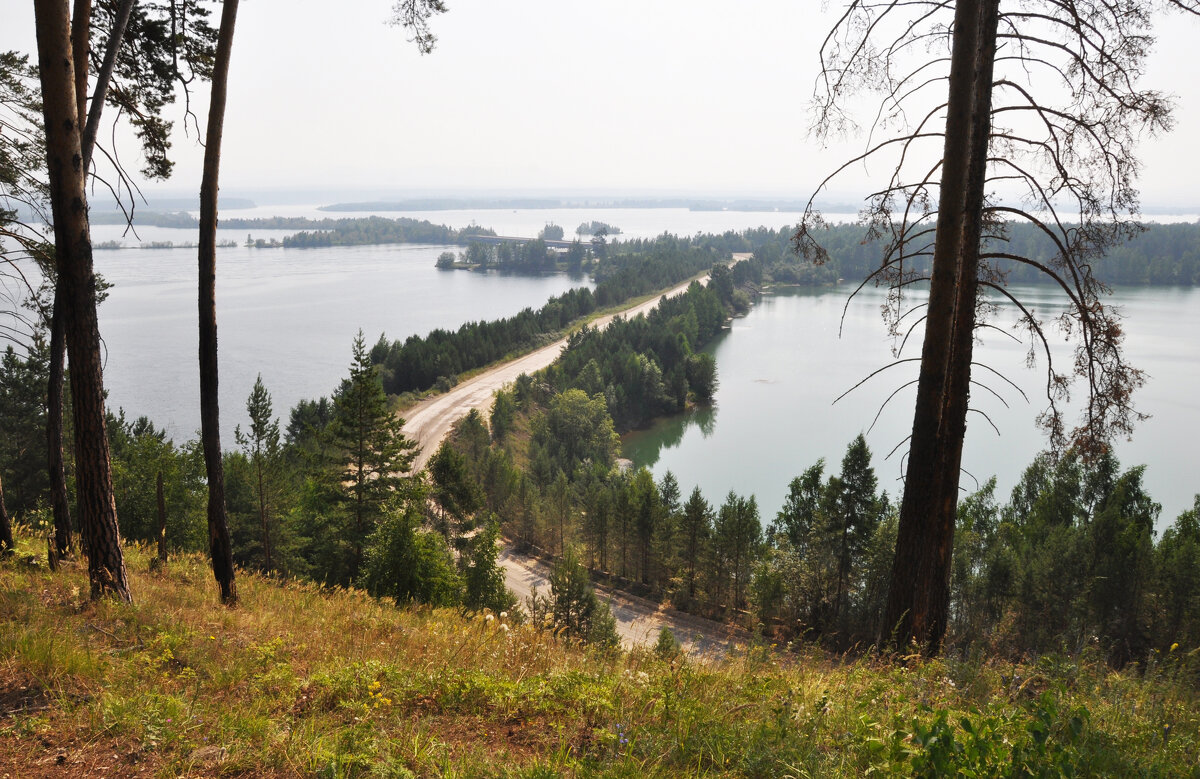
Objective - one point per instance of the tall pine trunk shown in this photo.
(915, 610)
(958, 380)
(210, 432)
(76, 292)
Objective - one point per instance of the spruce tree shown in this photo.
(372, 454)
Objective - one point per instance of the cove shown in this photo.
(783, 364)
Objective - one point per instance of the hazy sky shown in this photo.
(619, 97)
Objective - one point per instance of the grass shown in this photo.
(301, 681)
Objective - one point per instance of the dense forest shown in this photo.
(1068, 563)
(421, 362)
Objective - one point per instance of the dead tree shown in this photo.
(1036, 109)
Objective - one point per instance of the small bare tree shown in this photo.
(995, 112)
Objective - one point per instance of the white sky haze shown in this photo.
(621, 97)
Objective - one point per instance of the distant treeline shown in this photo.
(1162, 254)
(421, 362)
(595, 227)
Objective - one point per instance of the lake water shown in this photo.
(782, 366)
(291, 315)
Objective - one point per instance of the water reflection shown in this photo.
(643, 447)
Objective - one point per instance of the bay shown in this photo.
(783, 365)
(288, 314)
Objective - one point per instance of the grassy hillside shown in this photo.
(297, 681)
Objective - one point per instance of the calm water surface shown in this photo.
(291, 314)
(782, 366)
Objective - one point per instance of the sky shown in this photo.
(545, 96)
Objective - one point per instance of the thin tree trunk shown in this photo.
(96, 509)
(218, 526)
(262, 516)
(54, 438)
(162, 521)
(6, 537)
(116, 37)
(921, 535)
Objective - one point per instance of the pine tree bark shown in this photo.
(59, 503)
(220, 548)
(922, 539)
(77, 285)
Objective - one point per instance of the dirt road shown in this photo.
(639, 620)
(429, 421)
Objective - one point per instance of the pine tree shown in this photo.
(372, 454)
(261, 447)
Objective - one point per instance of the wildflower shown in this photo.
(488, 619)
(212, 638)
(504, 628)
(1174, 646)
(504, 615)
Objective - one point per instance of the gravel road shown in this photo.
(639, 620)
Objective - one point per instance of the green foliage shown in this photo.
(140, 452)
(262, 448)
(483, 579)
(416, 364)
(454, 489)
(355, 232)
(736, 547)
(667, 646)
(372, 453)
(572, 607)
(575, 431)
(23, 419)
(407, 564)
(551, 232)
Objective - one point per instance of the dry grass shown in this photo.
(302, 681)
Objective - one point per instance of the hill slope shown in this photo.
(300, 681)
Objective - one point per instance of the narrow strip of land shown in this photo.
(429, 421)
(639, 620)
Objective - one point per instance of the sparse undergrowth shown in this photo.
(299, 681)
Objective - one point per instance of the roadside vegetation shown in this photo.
(305, 681)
